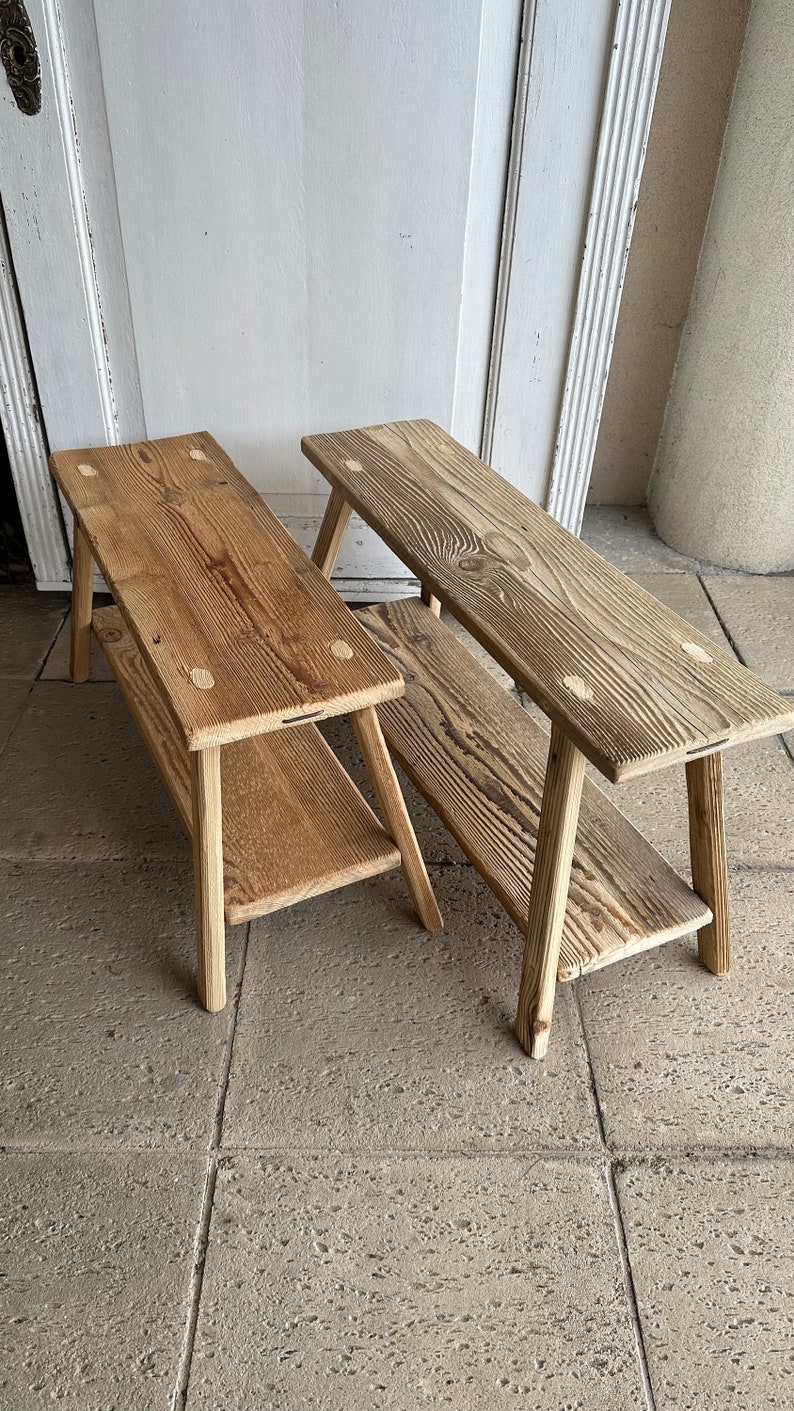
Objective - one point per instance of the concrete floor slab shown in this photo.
(13, 695)
(104, 1041)
(357, 1030)
(29, 621)
(97, 1259)
(684, 593)
(79, 783)
(759, 615)
(625, 536)
(353, 1283)
(759, 807)
(683, 1058)
(711, 1256)
(56, 667)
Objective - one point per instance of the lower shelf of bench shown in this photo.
(480, 761)
(294, 823)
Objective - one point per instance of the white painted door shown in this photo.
(268, 217)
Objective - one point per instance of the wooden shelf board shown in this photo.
(631, 684)
(237, 626)
(480, 761)
(294, 823)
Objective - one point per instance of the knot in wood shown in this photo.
(86, 469)
(342, 650)
(196, 454)
(202, 678)
(692, 649)
(578, 687)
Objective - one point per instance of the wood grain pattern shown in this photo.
(205, 794)
(559, 817)
(546, 606)
(82, 601)
(207, 578)
(294, 824)
(332, 532)
(709, 861)
(392, 806)
(480, 761)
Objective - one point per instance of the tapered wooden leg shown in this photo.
(433, 603)
(709, 861)
(332, 532)
(392, 806)
(205, 788)
(82, 603)
(559, 815)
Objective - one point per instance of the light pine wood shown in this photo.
(82, 600)
(210, 582)
(392, 805)
(294, 824)
(332, 532)
(432, 602)
(205, 793)
(480, 761)
(559, 816)
(634, 686)
(709, 861)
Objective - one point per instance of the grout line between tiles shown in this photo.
(721, 621)
(201, 1243)
(51, 647)
(617, 1215)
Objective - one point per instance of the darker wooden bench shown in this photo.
(229, 645)
(626, 684)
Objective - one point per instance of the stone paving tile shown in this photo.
(29, 621)
(96, 1255)
(759, 615)
(351, 1283)
(104, 1039)
(683, 593)
(711, 1255)
(56, 667)
(79, 783)
(625, 536)
(759, 806)
(13, 695)
(357, 1031)
(685, 1058)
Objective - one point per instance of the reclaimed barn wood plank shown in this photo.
(631, 684)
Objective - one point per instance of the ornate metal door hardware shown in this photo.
(20, 56)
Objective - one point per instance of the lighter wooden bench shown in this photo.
(626, 683)
(229, 645)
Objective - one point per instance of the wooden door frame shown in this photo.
(102, 324)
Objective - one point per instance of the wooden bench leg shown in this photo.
(433, 603)
(559, 815)
(709, 861)
(205, 790)
(332, 532)
(82, 603)
(392, 806)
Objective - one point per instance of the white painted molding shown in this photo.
(27, 450)
(56, 47)
(640, 29)
(510, 217)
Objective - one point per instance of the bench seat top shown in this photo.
(241, 632)
(631, 683)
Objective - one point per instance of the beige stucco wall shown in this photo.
(699, 66)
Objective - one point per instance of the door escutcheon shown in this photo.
(20, 56)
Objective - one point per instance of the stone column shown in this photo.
(723, 485)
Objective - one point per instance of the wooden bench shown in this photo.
(626, 683)
(229, 645)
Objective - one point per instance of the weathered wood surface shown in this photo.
(559, 817)
(709, 860)
(633, 685)
(241, 631)
(207, 829)
(82, 600)
(480, 760)
(294, 824)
